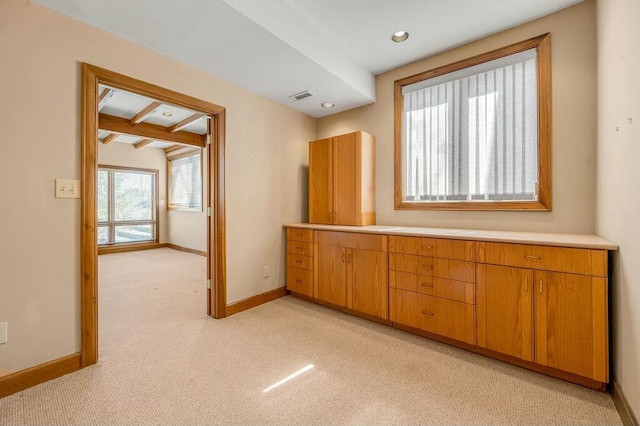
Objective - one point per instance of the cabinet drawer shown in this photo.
(353, 240)
(298, 261)
(433, 314)
(299, 247)
(440, 287)
(300, 281)
(457, 270)
(559, 259)
(297, 234)
(436, 247)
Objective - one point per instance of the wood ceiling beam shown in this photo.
(122, 126)
(142, 115)
(142, 143)
(110, 138)
(104, 97)
(187, 121)
(173, 148)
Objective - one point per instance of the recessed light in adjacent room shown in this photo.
(167, 114)
(328, 105)
(399, 36)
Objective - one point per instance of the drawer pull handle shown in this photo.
(426, 265)
(427, 285)
(298, 261)
(533, 257)
(540, 286)
(299, 281)
(429, 314)
(299, 248)
(526, 284)
(427, 247)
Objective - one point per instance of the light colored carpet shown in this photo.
(163, 361)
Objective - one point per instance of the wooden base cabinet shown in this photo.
(352, 272)
(300, 261)
(555, 319)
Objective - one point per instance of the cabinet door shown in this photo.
(321, 181)
(571, 323)
(346, 173)
(332, 286)
(504, 310)
(369, 289)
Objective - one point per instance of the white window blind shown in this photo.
(186, 182)
(472, 135)
(126, 205)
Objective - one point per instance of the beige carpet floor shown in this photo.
(163, 361)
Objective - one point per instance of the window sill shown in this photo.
(475, 206)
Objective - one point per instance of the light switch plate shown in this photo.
(67, 188)
(3, 332)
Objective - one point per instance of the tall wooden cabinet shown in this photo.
(342, 180)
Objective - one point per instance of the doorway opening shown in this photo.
(190, 132)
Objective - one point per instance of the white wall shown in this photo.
(618, 179)
(121, 154)
(40, 87)
(573, 62)
(189, 228)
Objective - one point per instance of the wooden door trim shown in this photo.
(92, 77)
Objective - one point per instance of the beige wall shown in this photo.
(121, 154)
(40, 86)
(189, 228)
(573, 47)
(618, 179)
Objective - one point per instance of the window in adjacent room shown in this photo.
(127, 205)
(185, 181)
(476, 134)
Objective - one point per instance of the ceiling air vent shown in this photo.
(301, 95)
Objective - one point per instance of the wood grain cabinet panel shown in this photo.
(571, 331)
(436, 247)
(440, 287)
(300, 248)
(353, 272)
(342, 180)
(505, 310)
(433, 314)
(457, 270)
(332, 275)
(297, 234)
(297, 261)
(300, 281)
(558, 259)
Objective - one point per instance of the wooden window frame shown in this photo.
(170, 158)
(156, 194)
(542, 44)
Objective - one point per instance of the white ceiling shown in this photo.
(277, 48)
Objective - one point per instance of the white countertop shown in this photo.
(537, 238)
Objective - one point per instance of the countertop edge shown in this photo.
(514, 237)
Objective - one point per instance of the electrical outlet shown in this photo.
(67, 188)
(265, 272)
(3, 332)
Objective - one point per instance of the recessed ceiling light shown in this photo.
(328, 105)
(167, 114)
(399, 36)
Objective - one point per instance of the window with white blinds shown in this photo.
(471, 136)
(185, 181)
(127, 203)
